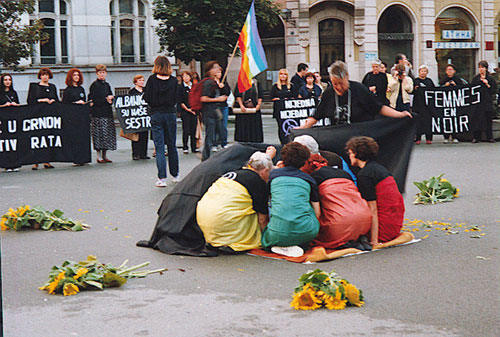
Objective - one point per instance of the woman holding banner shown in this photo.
(139, 147)
(8, 97)
(484, 115)
(281, 90)
(103, 125)
(74, 92)
(43, 92)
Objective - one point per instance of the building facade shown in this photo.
(83, 33)
(430, 32)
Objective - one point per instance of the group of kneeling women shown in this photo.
(306, 200)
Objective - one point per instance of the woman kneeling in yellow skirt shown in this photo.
(234, 210)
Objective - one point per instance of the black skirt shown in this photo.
(249, 128)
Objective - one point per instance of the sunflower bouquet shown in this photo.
(318, 288)
(39, 218)
(435, 190)
(72, 277)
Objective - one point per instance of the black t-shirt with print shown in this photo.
(364, 104)
(368, 178)
(327, 172)
(256, 187)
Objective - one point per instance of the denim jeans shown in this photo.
(164, 128)
(212, 127)
(222, 135)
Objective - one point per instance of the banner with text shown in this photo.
(449, 109)
(132, 112)
(294, 112)
(41, 133)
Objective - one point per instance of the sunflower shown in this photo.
(21, 210)
(455, 195)
(3, 225)
(443, 180)
(352, 294)
(70, 289)
(305, 299)
(12, 213)
(53, 285)
(336, 302)
(80, 272)
(343, 282)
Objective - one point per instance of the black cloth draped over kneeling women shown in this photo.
(176, 230)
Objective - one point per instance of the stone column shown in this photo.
(427, 33)
(489, 32)
(296, 28)
(365, 36)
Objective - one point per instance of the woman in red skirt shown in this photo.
(378, 187)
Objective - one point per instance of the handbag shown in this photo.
(131, 136)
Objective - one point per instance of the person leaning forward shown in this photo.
(347, 102)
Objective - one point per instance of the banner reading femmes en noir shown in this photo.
(132, 113)
(451, 110)
(42, 133)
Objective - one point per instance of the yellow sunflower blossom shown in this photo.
(80, 272)
(336, 302)
(53, 285)
(21, 210)
(456, 193)
(12, 213)
(352, 294)
(3, 225)
(70, 289)
(305, 299)
(343, 282)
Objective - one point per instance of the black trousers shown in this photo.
(189, 122)
(140, 148)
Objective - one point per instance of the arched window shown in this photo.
(455, 42)
(128, 31)
(395, 34)
(331, 43)
(54, 15)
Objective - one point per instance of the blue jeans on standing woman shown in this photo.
(222, 135)
(212, 128)
(164, 128)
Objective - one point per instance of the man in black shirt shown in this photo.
(347, 102)
(299, 78)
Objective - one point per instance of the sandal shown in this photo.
(101, 161)
(34, 167)
(48, 166)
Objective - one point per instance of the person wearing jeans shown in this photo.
(161, 95)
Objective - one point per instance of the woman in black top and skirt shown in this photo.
(8, 97)
(188, 116)
(103, 125)
(282, 89)
(43, 92)
(422, 81)
(248, 126)
(139, 147)
(484, 116)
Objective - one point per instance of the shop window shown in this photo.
(395, 34)
(455, 37)
(128, 31)
(331, 43)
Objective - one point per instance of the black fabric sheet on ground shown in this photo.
(394, 136)
(176, 230)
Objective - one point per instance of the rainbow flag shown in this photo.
(253, 58)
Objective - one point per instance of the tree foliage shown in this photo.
(206, 29)
(17, 40)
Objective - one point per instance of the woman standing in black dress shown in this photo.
(484, 121)
(43, 92)
(139, 147)
(248, 126)
(188, 116)
(8, 97)
(74, 92)
(103, 125)
(422, 81)
(282, 89)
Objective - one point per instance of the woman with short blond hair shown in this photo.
(282, 89)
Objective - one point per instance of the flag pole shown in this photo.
(229, 63)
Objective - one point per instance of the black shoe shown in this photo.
(144, 157)
(144, 243)
(135, 157)
(363, 240)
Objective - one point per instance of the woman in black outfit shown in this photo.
(484, 115)
(103, 124)
(43, 92)
(74, 92)
(422, 81)
(139, 147)
(188, 116)
(451, 79)
(282, 89)
(8, 97)
(248, 126)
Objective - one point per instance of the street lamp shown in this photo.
(286, 14)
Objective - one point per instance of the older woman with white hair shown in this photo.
(377, 82)
(422, 81)
(234, 210)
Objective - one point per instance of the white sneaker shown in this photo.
(292, 251)
(185, 151)
(9, 170)
(455, 140)
(446, 141)
(214, 148)
(161, 182)
(175, 179)
(225, 146)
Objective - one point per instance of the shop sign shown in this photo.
(457, 45)
(457, 34)
(371, 56)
